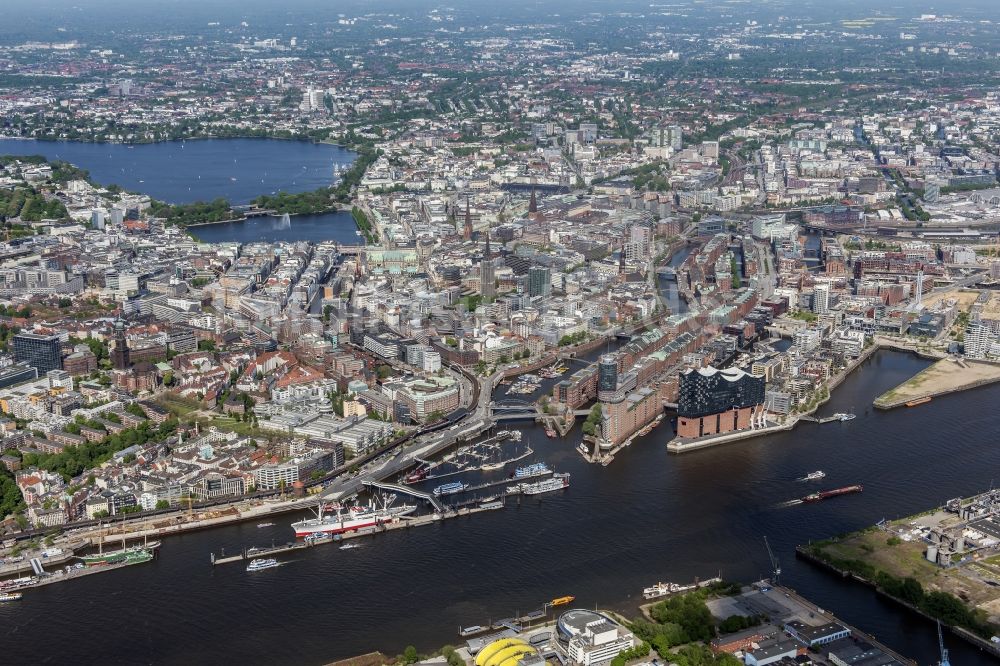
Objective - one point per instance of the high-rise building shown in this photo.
(539, 281)
(666, 137)
(977, 340)
(821, 299)
(607, 373)
(487, 272)
(42, 352)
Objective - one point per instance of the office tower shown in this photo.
(42, 352)
(539, 281)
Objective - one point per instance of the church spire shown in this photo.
(532, 203)
(467, 231)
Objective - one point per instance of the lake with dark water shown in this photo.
(200, 170)
(338, 226)
(649, 516)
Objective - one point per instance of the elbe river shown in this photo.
(649, 516)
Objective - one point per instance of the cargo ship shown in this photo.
(827, 494)
(354, 518)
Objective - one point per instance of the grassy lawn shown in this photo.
(178, 406)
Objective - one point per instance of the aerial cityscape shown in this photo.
(500, 334)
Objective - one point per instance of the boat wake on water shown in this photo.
(789, 503)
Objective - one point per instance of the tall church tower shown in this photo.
(120, 355)
(467, 230)
(487, 272)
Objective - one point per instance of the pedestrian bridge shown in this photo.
(405, 490)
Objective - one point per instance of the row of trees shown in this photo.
(74, 460)
(199, 212)
(299, 203)
(941, 605)
(10, 495)
(593, 420)
(30, 206)
(573, 339)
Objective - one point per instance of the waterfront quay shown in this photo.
(404, 522)
(943, 564)
(793, 626)
(778, 624)
(945, 376)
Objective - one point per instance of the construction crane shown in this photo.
(944, 651)
(775, 565)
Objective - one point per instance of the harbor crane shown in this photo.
(775, 565)
(944, 651)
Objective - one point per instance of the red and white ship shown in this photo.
(354, 518)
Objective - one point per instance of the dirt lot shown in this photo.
(944, 376)
(964, 297)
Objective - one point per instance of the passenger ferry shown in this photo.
(557, 482)
(450, 488)
(529, 471)
(258, 565)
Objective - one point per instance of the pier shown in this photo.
(825, 419)
(397, 523)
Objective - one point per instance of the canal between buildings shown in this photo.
(648, 516)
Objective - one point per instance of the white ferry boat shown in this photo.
(258, 565)
(556, 482)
